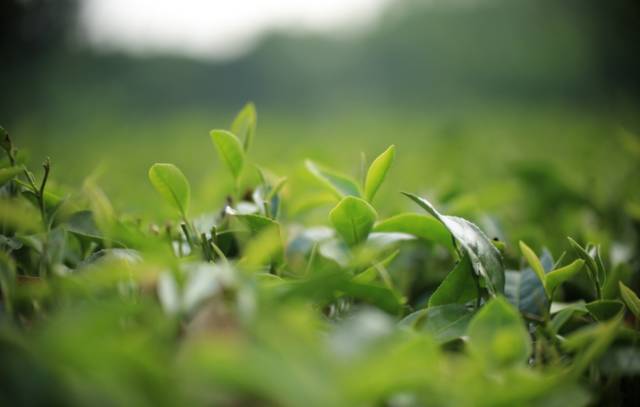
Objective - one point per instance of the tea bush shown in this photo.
(252, 303)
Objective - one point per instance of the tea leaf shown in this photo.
(630, 299)
(171, 183)
(459, 287)
(445, 322)
(230, 150)
(340, 185)
(497, 335)
(244, 125)
(485, 258)
(535, 264)
(525, 290)
(377, 172)
(353, 219)
(603, 310)
(422, 226)
(559, 276)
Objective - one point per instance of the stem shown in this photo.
(43, 213)
(187, 234)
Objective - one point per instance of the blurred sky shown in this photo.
(215, 29)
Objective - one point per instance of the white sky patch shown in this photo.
(216, 28)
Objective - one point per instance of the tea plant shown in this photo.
(244, 305)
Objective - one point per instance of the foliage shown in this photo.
(253, 303)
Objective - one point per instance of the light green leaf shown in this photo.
(377, 172)
(422, 226)
(171, 183)
(630, 299)
(230, 150)
(459, 287)
(7, 174)
(340, 185)
(485, 258)
(353, 219)
(244, 125)
(497, 335)
(535, 264)
(558, 276)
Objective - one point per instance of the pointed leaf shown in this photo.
(353, 219)
(485, 258)
(377, 172)
(422, 226)
(535, 264)
(171, 183)
(497, 335)
(558, 276)
(230, 150)
(244, 125)
(630, 299)
(603, 310)
(459, 287)
(340, 185)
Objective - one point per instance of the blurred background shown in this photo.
(485, 99)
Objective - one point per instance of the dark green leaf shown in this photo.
(459, 287)
(485, 258)
(603, 310)
(630, 299)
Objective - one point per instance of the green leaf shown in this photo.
(244, 125)
(230, 150)
(255, 223)
(535, 264)
(445, 322)
(603, 310)
(497, 335)
(9, 173)
(564, 315)
(459, 287)
(630, 299)
(340, 185)
(353, 219)
(374, 294)
(592, 267)
(525, 291)
(559, 276)
(485, 258)
(371, 273)
(171, 183)
(377, 172)
(422, 226)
